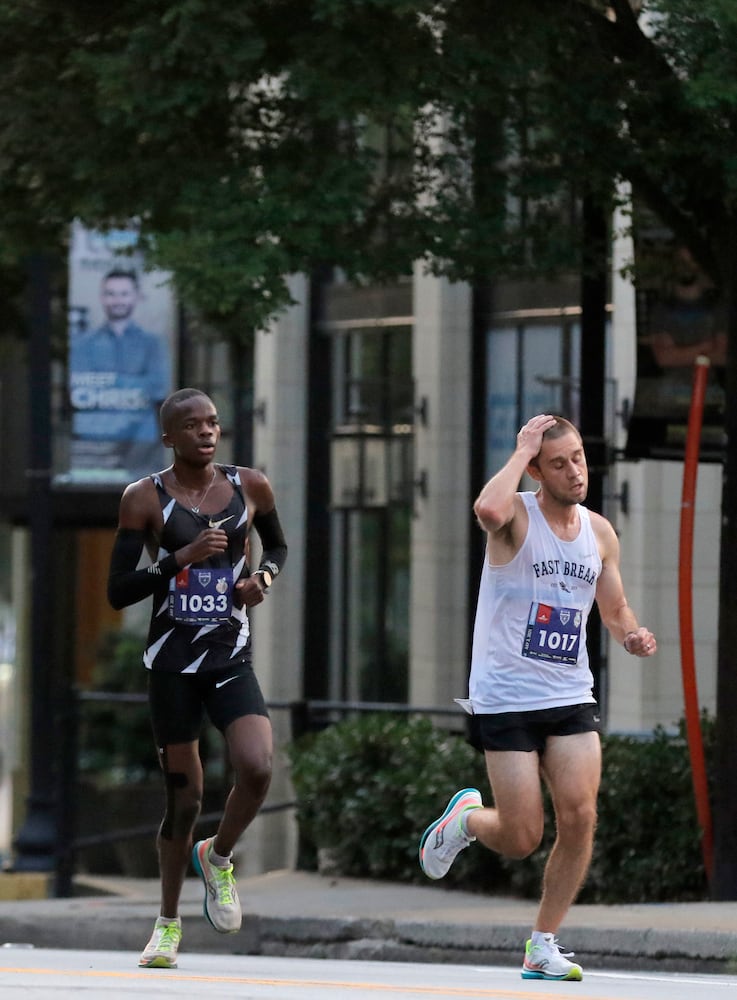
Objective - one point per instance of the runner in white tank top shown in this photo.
(529, 643)
(547, 559)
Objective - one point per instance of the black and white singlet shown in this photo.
(194, 626)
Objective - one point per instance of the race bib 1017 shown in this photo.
(199, 596)
(553, 634)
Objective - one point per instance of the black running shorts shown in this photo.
(178, 701)
(530, 730)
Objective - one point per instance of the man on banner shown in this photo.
(118, 376)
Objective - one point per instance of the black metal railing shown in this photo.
(304, 716)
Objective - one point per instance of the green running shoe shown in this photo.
(161, 950)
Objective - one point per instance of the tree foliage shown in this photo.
(262, 138)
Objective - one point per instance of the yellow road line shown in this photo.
(172, 975)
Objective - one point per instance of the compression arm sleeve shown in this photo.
(273, 543)
(126, 584)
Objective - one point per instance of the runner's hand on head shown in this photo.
(530, 437)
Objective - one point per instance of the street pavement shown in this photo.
(296, 913)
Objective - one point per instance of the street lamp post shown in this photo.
(35, 843)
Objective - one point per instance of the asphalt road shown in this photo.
(303, 915)
(46, 974)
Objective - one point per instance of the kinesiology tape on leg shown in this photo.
(178, 820)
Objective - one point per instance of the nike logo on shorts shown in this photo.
(219, 684)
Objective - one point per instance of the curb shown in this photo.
(382, 939)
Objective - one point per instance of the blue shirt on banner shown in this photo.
(117, 382)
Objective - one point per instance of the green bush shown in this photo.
(366, 788)
(116, 744)
(648, 845)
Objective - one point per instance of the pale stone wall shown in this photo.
(280, 450)
(440, 528)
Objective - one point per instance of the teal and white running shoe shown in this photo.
(549, 961)
(444, 839)
(222, 907)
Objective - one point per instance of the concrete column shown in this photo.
(627, 681)
(439, 535)
(280, 449)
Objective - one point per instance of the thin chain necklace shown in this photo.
(195, 508)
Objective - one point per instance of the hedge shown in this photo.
(368, 786)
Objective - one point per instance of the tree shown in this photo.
(248, 152)
(369, 134)
(262, 138)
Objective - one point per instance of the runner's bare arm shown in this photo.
(499, 509)
(497, 505)
(616, 614)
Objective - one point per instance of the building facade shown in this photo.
(377, 416)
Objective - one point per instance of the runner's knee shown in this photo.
(576, 820)
(522, 847)
(253, 775)
(523, 839)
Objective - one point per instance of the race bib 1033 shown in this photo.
(199, 596)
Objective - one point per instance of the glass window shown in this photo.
(371, 476)
(502, 407)
(533, 367)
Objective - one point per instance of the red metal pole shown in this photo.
(685, 609)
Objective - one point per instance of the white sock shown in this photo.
(541, 937)
(169, 920)
(218, 860)
(463, 820)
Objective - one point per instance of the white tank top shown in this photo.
(529, 638)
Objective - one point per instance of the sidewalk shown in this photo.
(303, 913)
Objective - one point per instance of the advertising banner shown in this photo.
(680, 315)
(121, 358)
